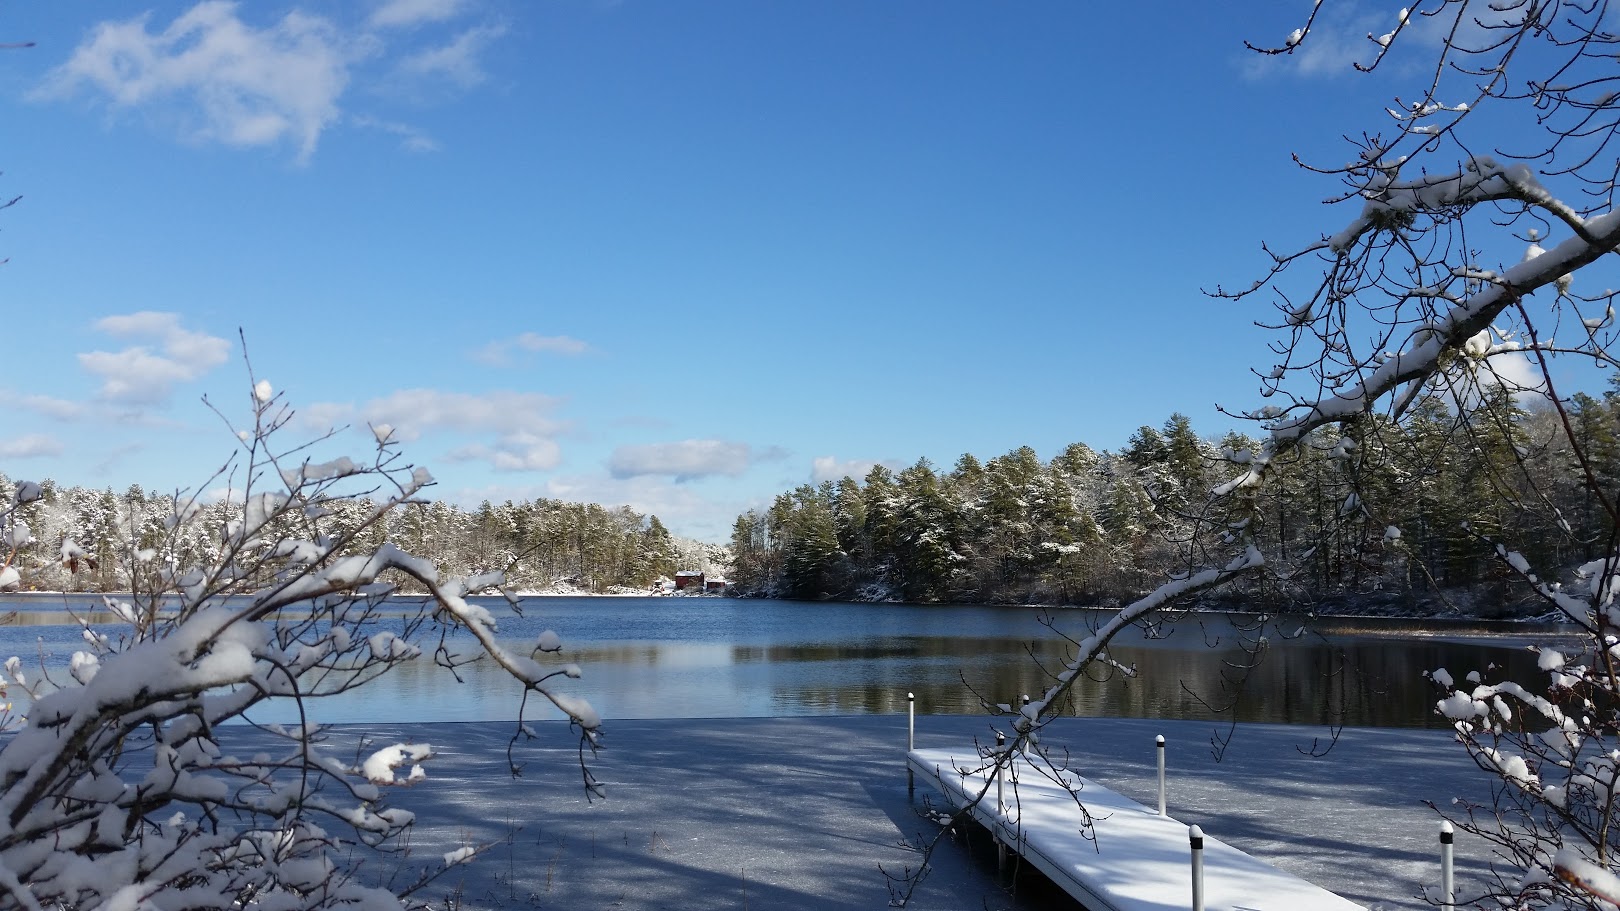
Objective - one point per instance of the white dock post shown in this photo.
(1023, 747)
(1001, 745)
(911, 722)
(1448, 889)
(1001, 806)
(911, 743)
(1160, 742)
(1195, 835)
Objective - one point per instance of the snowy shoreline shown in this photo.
(796, 813)
(1345, 611)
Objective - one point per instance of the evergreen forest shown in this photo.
(1375, 517)
(82, 537)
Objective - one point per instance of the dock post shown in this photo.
(911, 722)
(911, 743)
(1024, 746)
(1448, 890)
(1001, 745)
(1195, 835)
(1160, 742)
(1001, 806)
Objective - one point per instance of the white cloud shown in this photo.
(407, 13)
(829, 468)
(1464, 385)
(513, 452)
(30, 446)
(413, 412)
(521, 423)
(215, 76)
(223, 80)
(410, 138)
(1337, 41)
(499, 353)
(1515, 371)
(687, 510)
(49, 406)
(138, 375)
(685, 460)
(326, 415)
(456, 62)
(684, 509)
(220, 495)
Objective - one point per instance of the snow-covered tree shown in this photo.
(116, 790)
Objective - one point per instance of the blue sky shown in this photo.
(678, 255)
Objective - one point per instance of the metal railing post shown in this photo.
(1195, 836)
(1159, 741)
(911, 743)
(911, 722)
(1001, 746)
(1001, 805)
(1023, 746)
(1448, 886)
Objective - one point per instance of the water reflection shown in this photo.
(1351, 681)
(659, 658)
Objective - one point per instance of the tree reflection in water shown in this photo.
(716, 657)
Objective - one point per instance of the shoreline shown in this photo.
(1436, 621)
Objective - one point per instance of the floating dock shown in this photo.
(1134, 859)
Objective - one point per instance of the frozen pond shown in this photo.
(720, 657)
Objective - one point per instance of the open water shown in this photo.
(719, 657)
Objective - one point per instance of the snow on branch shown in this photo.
(116, 788)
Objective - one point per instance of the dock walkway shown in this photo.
(1139, 861)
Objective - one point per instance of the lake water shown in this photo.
(721, 657)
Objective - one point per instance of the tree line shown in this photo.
(1374, 516)
(84, 539)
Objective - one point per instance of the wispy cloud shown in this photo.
(456, 62)
(1337, 41)
(686, 509)
(46, 405)
(830, 468)
(499, 353)
(112, 456)
(30, 446)
(142, 375)
(513, 452)
(216, 76)
(222, 79)
(407, 13)
(413, 412)
(685, 460)
(519, 428)
(410, 138)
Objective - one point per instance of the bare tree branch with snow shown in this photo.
(116, 790)
(1483, 223)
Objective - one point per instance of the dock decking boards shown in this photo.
(1140, 861)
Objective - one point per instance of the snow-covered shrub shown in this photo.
(116, 790)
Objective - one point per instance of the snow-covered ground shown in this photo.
(791, 813)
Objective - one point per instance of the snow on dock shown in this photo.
(1139, 860)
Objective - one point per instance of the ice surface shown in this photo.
(796, 814)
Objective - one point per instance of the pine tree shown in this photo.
(813, 566)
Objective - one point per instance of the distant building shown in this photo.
(689, 578)
(715, 585)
